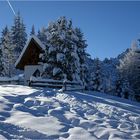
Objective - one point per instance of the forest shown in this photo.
(65, 57)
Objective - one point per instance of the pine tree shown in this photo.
(130, 71)
(81, 46)
(1, 65)
(7, 53)
(33, 30)
(96, 81)
(23, 35)
(110, 75)
(118, 88)
(19, 36)
(62, 58)
(123, 88)
(42, 35)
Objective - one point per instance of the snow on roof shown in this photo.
(24, 49)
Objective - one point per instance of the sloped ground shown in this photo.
(41, 113)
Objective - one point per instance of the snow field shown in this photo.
(42, 113)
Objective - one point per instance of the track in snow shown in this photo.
(41, 113)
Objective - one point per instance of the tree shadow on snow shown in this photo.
(10, 131)
(19, 100)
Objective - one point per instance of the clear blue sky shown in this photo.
(109, 27)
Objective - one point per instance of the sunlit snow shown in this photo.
(43, 113)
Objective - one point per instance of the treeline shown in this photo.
(65, 58)
(118, 76)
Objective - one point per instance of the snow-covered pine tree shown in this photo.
(122, 88)
(96, 81)
(81, 46)
(1, 65)
(62, 58)
(136, 78)
(32, 30)
(19, 36)
(127, 91)
(7, 53)
(42, 35)
(90, 67)
(110, 75)
(130, 71)
(39, 34)
(118, 88)
(23, 35)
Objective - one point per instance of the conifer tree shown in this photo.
(19, 36)
(81, 46)
(118, 88)
(7, 53)
(96, 81)
(130, 71)
(63, 51)
(42, 35)
(1, 65)
(32, 30)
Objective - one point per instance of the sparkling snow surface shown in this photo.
(42, 113)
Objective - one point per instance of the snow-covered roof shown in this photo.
(39, 44)
(38, 41)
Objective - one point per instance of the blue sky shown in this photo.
(109, 27)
